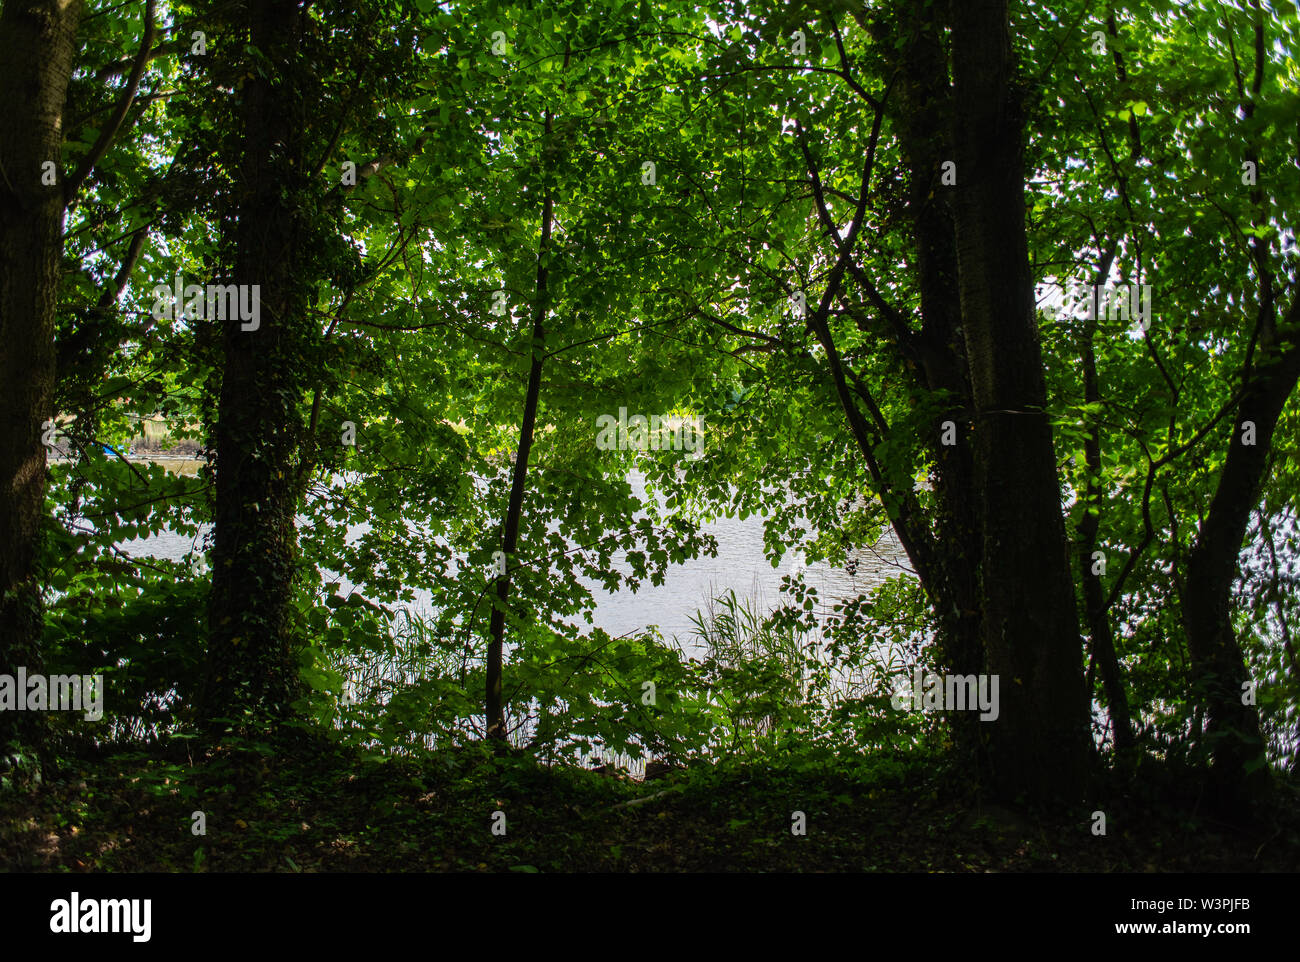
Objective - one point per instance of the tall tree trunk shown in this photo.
(1238, 773)
(37, 39)
(1038, 745)
(496, 718)
(252, 672)
(924, 128)
(1238, 770)
(1096, 611)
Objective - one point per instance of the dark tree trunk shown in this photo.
(37, 39)
(1095, 609)
(496, 718)
(252, 672)
(1238, 773)
(1038, 744)
(938, 353)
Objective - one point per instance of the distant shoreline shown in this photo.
(135, 458)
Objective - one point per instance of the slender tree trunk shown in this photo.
(1096, 612)
(1238, 773)
(496, 719)
(37, 39)
(252, 672)
(1038, 745)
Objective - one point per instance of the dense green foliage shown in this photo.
(703, 169)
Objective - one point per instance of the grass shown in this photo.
(302, 804)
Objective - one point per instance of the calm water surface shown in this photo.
(740, 566)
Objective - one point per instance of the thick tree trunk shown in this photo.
(37, 39)
(252, 672)
(924, 132)
(1038, 745)
(1238, 773)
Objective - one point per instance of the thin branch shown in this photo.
(106, 136)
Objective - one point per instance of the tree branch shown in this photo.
(106, 136)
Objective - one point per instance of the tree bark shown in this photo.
(252, 671)
(1096, 610)
(496, 719)
(1238, 774)
(37, 40)
(924, 132)
(1038, 744)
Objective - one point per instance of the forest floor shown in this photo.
(312, 807)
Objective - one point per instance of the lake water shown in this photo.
(740, 566)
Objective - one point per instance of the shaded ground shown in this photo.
(310, 807)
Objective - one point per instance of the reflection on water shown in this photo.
(740, 566)
(689, 588)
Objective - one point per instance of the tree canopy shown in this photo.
(1011, 284)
